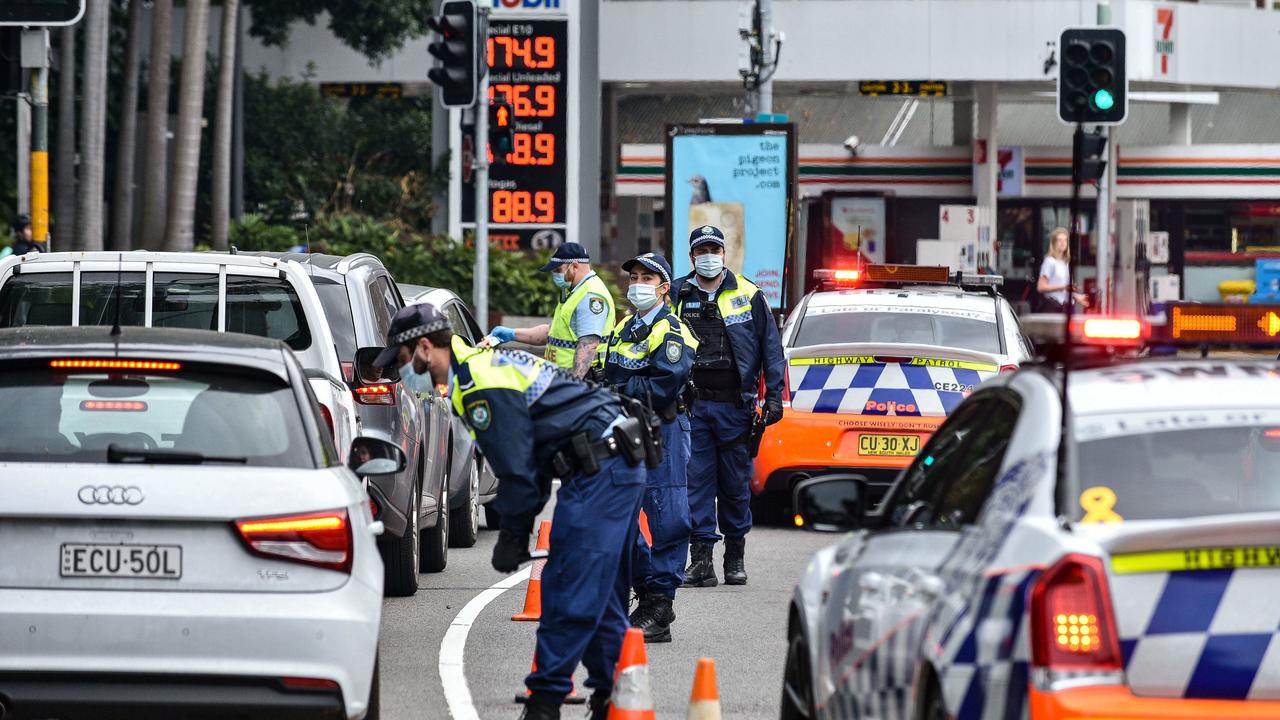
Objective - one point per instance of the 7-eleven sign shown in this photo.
(1165, 35)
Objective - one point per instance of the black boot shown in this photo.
(702, 570)
(599, 705)
(735, 566)
(656, 622)
(540, 709)
(644, 609)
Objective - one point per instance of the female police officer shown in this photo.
(535, 421)
(649, 358)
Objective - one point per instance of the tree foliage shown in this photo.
(375, 28)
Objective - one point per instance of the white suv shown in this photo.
(199, 291)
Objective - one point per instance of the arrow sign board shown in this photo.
(41, 13)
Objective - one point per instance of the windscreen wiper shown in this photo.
(119, 454)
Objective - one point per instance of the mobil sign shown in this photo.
(526, 4)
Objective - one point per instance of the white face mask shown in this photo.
(709, 265)
(642, 297)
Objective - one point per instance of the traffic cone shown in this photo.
(644, 528)
(632, 699)
(704, 701)
(533, 595)
(571, 699)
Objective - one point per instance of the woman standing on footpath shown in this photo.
(1055, 275)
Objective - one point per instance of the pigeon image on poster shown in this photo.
(701, 191)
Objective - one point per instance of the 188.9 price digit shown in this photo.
(522, 206)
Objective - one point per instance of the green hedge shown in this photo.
(516, 286)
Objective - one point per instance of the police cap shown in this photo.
(409, 324)
(705, 234)
(653, 262)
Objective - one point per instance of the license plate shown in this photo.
(159, 562)
(888, 445)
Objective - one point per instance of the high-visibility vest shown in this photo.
(562, 341)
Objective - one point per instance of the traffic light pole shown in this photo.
(1077, 151)
(1103, 213)
(481, 165)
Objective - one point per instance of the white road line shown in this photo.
(457, 695)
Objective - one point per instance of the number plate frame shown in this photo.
(67, 561)
(871, 444)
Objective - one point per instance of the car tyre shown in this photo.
(466, 522)
(375, 692)
(491, 516)
(401, 556)
(797, 680)
(435, 540)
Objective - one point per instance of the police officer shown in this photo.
(534, 422)
(649, 358)
(581, 321)
(738, 340)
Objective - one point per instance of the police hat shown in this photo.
(409, 324)
(652, 262)
(565, 254)
(705, 234)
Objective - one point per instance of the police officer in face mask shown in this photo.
(534, 422)
(738, 341)
(649, 357)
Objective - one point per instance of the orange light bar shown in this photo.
(931, 274)
(1223, 324)
(90, 364)
(1112, 329)
(1272, 433)
(122, 405)
(302, 524)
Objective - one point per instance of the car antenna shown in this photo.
(115, 328)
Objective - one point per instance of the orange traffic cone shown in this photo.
(632, 699)
(533, 595)
(572, 699)
(644, 528)
(704, 701)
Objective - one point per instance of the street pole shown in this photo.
(1102, 215)
(481, 164)
(764, 94)
(38, 41)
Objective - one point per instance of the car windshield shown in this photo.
(263, 306)
(77, 415)
(921, 326)
(337, 310)
(1179, 464)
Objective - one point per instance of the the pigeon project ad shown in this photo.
(739, 178)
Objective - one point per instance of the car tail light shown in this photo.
(1073, 630)
(114, 405)
(92, 364)
(373, 508)
(786, 386)
(321, 539)
(348, 371)
(380, 394)
(1008, 368)
(303, 683)
(328, 420)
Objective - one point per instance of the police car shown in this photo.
(876, 358)
(1139, 581)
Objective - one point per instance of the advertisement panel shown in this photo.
(741, 179)
(855, 224)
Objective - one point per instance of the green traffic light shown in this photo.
(1103, 99)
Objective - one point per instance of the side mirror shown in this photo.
(175, 299)
(373, 457)
(367, 374)
(831, 503)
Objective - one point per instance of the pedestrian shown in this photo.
(23, 242)
(737, 343)
(649, 357)
(582, 319)
(533, 421)
(1055, 274)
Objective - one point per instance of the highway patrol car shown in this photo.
(876, 358)
(1141, 582)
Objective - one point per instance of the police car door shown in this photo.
(872, 626)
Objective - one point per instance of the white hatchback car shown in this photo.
(179, 533)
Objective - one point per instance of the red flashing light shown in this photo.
(1112, 329)
(848, 275)
(380, 394)
(321, 539)
(1073, 626)
(92, 364)
(114, 405)
(1272, 433)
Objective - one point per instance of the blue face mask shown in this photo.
(418, 384)
(560, 281)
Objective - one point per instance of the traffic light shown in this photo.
(1087, 164)
(456, 49)
(1092, 84)
(502, 136)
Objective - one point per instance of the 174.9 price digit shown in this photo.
(522, 206)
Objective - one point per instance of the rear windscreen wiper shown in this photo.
(118, 454)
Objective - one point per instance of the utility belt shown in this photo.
(637, 438)
(715, 395)
(673, 410)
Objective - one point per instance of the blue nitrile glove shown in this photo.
(503, 333)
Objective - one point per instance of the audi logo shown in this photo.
(110, 495)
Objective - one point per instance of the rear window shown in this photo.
(1180, 464)
(266, 307)
(73, 415)
(337, 310)
(923, 326)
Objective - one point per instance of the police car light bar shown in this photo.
(982, 281)
(1112, 329)
(1046, 330)
(916, 274)
(1233, 325)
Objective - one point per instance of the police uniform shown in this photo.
(738, 341)
(585, 309)
(649, 358)
(527, 414)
